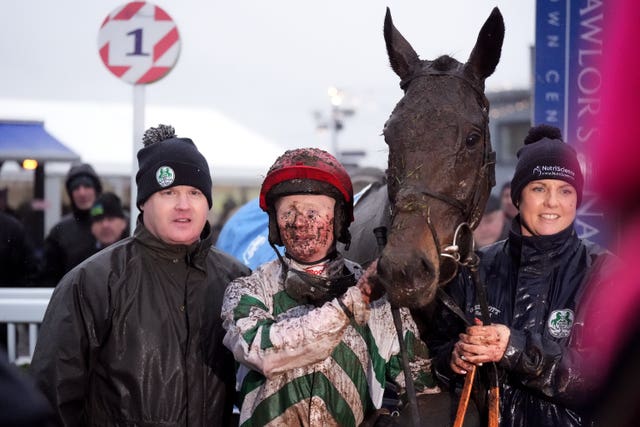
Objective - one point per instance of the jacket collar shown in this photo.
(537, 249)
(194, 254)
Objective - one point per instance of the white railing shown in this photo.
(22, 305)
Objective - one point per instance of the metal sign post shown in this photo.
(138, 131)
(139, 43)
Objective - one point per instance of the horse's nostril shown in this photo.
(426, 264)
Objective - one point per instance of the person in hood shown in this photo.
(534, 282)
(490, 225)
(312, 333)
(70, 241)
(132, 335)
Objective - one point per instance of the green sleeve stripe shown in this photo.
(395, 363)
(245, 305)
(416, 348)
(348, 361)
(250, 335)
(379, 364)
(282, 302)
(394, 367)
(424, 380)
(265, 342)
(337, 406)
(298, 390)
(251, 381)
(242, 311)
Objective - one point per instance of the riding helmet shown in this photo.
(308, 171)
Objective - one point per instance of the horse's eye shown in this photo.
(472, 139)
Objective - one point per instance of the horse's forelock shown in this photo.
(445, 63)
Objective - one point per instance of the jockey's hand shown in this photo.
(354, 305)
(369, 284)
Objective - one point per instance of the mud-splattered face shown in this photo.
(305, 222)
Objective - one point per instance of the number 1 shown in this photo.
(137, 49)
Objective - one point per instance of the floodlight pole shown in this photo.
(335, 96)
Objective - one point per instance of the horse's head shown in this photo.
(441, 165)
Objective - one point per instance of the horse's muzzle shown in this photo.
(409, 277)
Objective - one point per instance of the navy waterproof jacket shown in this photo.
(534, 285)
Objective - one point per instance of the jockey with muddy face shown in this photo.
(314, 340)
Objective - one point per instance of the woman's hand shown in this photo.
(480, 344)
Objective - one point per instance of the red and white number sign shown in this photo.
(139, 42)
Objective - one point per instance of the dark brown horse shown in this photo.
(441, 166)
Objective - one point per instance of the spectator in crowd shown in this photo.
(108, 221)
(21, 403)
(509, 210)
(314, 340)
(133, 336)
(534, 283)
(4, 202)
(17, 259)
(70, 241)
(491, 224)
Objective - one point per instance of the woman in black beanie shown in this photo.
(534, 281)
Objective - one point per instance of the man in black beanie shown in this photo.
(70, 241)
(108, 221)
(133, 335)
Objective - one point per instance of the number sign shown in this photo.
(139, 42)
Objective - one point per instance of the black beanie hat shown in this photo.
(166, 161)
(546, 156)
(107, 205)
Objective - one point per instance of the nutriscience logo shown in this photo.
(553, 172)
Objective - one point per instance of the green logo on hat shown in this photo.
(165, 176)
(97, 210)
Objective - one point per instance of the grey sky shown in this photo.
(266, 65)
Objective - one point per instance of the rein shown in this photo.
(381, 239)
(472, 262)
(465, 258)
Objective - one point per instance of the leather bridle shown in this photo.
(471, 212)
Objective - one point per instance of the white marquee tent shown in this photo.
(102, 134)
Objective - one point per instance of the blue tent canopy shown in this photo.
(21, 140)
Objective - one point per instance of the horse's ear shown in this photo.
(402, 57)
(486, 53)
